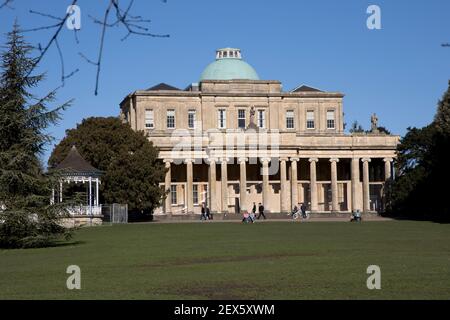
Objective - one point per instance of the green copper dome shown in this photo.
(229, 66)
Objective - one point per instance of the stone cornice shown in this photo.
(199, 94)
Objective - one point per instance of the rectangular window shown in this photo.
(330, 119)
(173, 194)
(191, 119)
(310, 120)
(149, 119)
(221, 118)
(170, 119)
(261, 119)
(195, 193)
(290, 119)
(241, 118)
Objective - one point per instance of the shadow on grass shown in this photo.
(418, 217)
(65, 243)
(55, 244)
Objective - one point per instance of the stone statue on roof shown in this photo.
(374, 123)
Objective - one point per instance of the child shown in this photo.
(246, 217)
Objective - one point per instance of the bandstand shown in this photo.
(74, 169)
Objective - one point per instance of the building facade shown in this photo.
(232, 140)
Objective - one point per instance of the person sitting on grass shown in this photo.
(246, 217)
(356, 216)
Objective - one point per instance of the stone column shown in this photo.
(265, 184)
(243, 184)
(189, 185)
(167, 182)
(96, 192)
(313, 183)
(387, 168)
(294, 182)
(90, 195)
(366, 190)
(355, 182)
(283, 186)
(224, 184)
(334, 185)
(212, 185)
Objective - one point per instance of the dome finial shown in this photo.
(228, 53)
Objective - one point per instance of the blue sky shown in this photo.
(399, 72)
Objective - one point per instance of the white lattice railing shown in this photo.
(85, 210)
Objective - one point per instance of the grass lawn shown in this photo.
(270, 260)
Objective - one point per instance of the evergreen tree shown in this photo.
(26, 217)
(129, 160)
(442, 118)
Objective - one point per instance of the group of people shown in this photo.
(206, 213)
(299, 210)
(251, 217)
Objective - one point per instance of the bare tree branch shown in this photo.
(102, 41)
(53, 38)
(6, 3)
(61, 58)
(123, 18)
(133, 24)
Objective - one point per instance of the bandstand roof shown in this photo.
(74, 164)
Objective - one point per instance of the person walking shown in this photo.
(208, 214)
(203, 216)
(261, 211)
(294, 213)
(254, 208)
(303, 209)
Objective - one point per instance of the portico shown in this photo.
(325, 184)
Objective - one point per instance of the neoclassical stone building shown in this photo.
(233, 139)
